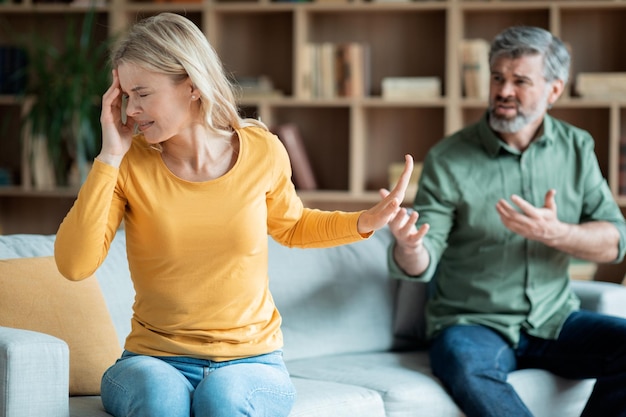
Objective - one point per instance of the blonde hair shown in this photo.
(173, 45)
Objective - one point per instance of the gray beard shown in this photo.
(503, 125)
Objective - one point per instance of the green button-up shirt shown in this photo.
(484, 273)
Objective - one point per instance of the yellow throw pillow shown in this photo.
(35, 296)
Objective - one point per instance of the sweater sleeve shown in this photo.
(83, 239)
(293, 225)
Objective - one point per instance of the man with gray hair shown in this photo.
(501, 208)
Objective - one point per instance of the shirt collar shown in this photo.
(494, 145)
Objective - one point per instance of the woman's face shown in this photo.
(158, 108)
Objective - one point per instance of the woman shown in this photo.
(198, 189)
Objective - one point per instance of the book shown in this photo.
(601, 85)
(356, 78)
(475, 68)
(302, 172)
(328, 70)
(411, 88)
(307, 83)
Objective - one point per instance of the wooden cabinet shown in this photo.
(350, 140)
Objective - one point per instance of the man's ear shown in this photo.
(556, 89)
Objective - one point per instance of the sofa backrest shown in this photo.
(332, 300)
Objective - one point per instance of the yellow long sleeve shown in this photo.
(197, 250)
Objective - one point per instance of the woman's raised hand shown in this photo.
(379, 215)
(116, 135)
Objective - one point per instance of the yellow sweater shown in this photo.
(197, 250)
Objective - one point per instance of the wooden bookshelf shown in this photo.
(352, 140)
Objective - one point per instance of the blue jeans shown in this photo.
(473, 363)
(174, 386)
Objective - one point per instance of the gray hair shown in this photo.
(518, 41)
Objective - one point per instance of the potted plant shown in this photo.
(61, 129)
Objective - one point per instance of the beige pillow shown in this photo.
(35, 296)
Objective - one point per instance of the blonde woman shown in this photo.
(199, 189)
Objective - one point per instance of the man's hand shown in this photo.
(534, 223)
(409, 252)
(402, 226)
(595, 241)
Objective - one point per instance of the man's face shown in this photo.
(518, 93)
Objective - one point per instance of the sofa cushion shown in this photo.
(26, 245)
(333, 300)
(35, 296)
(404, 381)
(314, 399)
(408, 387)
(331, 399)
(544, 392)
(113, 275)
(87, 406)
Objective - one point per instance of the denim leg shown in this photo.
(258, 386)
(173, 386)
(143, 386)
(473, 363)
(590, 345)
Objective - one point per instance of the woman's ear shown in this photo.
(194, 93)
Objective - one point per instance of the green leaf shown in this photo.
(67, 82)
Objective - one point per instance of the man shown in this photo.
(501, 299)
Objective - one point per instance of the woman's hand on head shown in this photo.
(116, 136)
(387, 209)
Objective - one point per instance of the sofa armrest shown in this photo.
(34, 374)
(602, 297)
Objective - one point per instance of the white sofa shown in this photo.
(352, 338)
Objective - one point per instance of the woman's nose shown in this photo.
(131, 107)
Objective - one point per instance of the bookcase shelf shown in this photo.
(350, 141)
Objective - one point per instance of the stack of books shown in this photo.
(336, 70)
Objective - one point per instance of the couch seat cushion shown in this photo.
(405, 392)
(332, 399)
(35, 296)
(544, 392)
(87, 406)
(408, 388)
